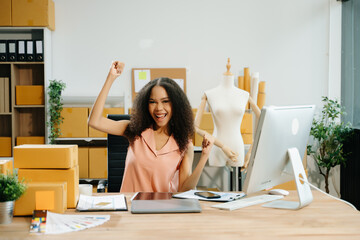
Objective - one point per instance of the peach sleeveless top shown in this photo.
(151, 170)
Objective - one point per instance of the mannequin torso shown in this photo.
(227, 104)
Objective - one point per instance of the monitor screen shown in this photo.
(279, 129)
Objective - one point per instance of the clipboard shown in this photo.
(102, 203)
(141, 76)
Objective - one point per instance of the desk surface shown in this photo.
(324, 218)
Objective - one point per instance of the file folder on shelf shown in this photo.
(11, 47)
(29, 50)
(21, 50)
(3, 51)
(39, 57)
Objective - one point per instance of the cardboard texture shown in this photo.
(75, 123)
(70, 176)
(5, 13)
(29, 95)
(83, 162)
(42, 196)
(93, 133)
(45, 156)
(98, 162)
(30, 140)
(40, 13)
(6, 166)
(5, 146)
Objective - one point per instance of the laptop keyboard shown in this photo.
(248, 201)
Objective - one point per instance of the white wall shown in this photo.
(294, 44)
(287, 41)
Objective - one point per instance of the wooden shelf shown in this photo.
(25, 120)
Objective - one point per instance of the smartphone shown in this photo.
(208, 195)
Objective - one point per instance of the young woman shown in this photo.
(161, 153)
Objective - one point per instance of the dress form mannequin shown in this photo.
(227, 105)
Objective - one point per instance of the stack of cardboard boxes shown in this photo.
(27, 13)
(92, 160)
(52, 173)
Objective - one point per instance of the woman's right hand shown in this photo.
(116, 69)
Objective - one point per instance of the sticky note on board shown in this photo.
(142, 75)
(44, 200)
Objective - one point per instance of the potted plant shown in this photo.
(54, 108)
(329, 135)
(11, 189)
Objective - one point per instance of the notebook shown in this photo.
(145, 202)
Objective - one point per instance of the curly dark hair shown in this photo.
(181, 124)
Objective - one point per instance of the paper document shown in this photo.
(102, 203)
(224, 196)
(46, 222)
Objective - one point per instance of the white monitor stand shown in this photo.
(303, 189)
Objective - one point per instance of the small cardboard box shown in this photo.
(42, 196)
(75, 123)
(29, 95)
(98, 162)
(30, 140)
(5, 13)
(70, 176)
(93, 133)
(5, 146)
(45, 156)
(83, 162)
(40, 13)
(6, 166)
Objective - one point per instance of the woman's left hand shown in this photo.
(207, 144)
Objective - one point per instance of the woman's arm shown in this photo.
(228, 152)
(188, 180)
(96, 119)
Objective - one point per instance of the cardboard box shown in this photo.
(5, 13)
(98, 162)
(45, 156)
(29, 95)
(70, 176)
(93, 133)
(30, 140)
(40, 13)
(75, 123)
(6, 166)
(83, 162)
(42, 196)
(5, 146)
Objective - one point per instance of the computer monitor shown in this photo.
(278, 149)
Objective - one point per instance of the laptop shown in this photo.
(145, 202)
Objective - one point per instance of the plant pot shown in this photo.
(6, 212)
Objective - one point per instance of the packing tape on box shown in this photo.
(85, 189)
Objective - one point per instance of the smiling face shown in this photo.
(160, 107)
